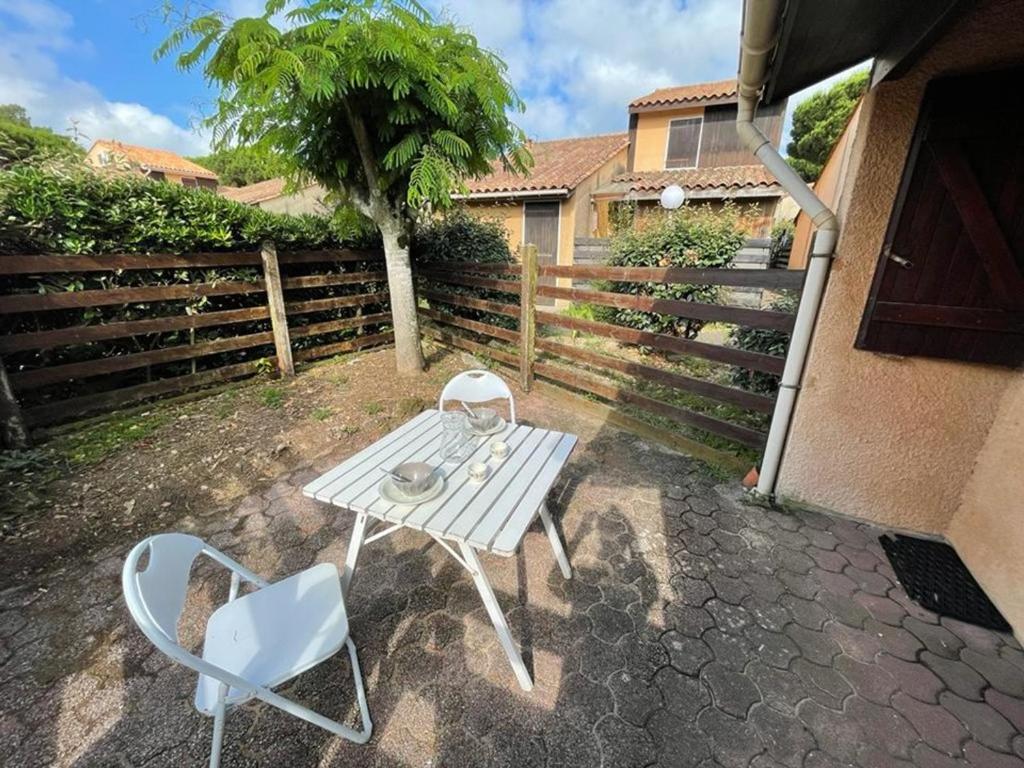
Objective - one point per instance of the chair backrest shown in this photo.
(156, 596)
(478, 387)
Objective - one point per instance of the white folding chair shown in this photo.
(478, 387)
(254, 642)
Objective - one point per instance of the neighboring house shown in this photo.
(686, 135)
(552, 205)
(271, 195)
(158, 164)
(910, 410)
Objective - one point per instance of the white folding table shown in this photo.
(491, 516)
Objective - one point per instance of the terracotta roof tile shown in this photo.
(730, 177)
(686, 94)
(254, 193)
(154, 159)
(558, 164)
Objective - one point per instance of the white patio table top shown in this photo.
(492, 515)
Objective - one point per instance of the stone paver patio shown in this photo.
(697, 631)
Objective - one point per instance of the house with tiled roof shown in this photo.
(274, 195)
(683, 135)
(686, 135)
(552, 204)
(112, 156)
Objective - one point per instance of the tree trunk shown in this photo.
(408, 354)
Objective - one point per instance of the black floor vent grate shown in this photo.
(936, 578)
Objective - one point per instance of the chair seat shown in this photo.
(275, 633)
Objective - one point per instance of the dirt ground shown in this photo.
(126, 476)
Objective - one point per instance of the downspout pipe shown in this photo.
(757, 41)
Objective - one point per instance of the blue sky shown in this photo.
(576, 63)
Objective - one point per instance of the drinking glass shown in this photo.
(455, 443)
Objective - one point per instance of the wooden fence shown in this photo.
(296, 306)
(511, 290)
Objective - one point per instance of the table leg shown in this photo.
(483, 586)
(354, 545)
(556, 542)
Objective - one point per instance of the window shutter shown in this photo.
(683, 143)
(950, 278)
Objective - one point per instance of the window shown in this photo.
(950, 277)
(683, 142)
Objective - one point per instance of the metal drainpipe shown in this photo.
(757, 41)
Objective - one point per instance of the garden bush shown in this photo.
(769, 342)
(694, 236)
(66, 208)
(459, 236)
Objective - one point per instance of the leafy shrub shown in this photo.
(781, 242)
(690, 237)
(763, 340)
(460, 236)
(67, 208)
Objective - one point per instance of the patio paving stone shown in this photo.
(698, 631)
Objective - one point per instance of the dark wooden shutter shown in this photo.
(540, 228)
(683, 143)
(950, 278)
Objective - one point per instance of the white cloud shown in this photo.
(31, 33)
(579, 64)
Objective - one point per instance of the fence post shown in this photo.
(527, 316)
(12, 425)
(275, 301)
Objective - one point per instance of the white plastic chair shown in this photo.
(478, 387)
(254, 642)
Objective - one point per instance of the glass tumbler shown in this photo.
(455, 442)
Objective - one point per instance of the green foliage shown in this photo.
(321, 414)
(94, 443)
(459, 236)
(373, 407)
(69, 209)
(689, 237)
(819, 121)
(763, 340)
(21, 141)
(239, 166)
(375, 99)
(781, 242)
(272, 397)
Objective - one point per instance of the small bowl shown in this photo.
(420, 475)
(499, 449)
(484, 419)
(478, 471)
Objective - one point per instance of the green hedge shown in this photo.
(68, 209)
(766, 341)
(694, 236)
(459, 236)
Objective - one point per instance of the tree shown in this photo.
(375, 99)
(238, 166)
(21, 141)
(818, 123)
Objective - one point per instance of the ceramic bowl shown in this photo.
(499, 449)
(477, 471)
(484, 419)
(420, 476)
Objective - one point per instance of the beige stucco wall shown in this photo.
(508, 214)
(308, 200)
(829, 187)
(652, 137)
(898, 440)
(987, 528)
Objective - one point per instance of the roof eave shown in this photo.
(508, 194)
(636, 109)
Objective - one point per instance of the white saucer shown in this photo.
(391, 494)
(498, 426)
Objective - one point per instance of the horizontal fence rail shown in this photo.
(68, 352)
(467, 308)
